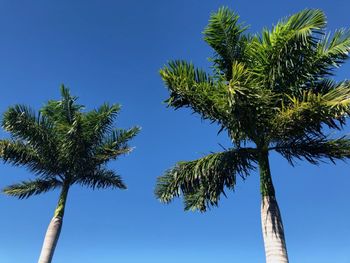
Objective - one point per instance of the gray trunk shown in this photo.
(273, 233)
(50, 241)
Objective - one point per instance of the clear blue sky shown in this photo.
(111, 51)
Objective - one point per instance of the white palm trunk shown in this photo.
(54, 229)
(273, 233)
(271, 220)
(50, 241)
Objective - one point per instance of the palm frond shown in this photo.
(198, 200)
(332, 51)
(211, 174)
(311, 112)
(284, 56)
(314, 149)
(22, 123)
(218, 101)
(114, 145)
(306, 22)
(250, 106)
(62, 110)
(22, 154)
(225, 35)
(302, 26)
(101, 178)
(26, 189)
(100, 121)
(192, 87)
(73, 147)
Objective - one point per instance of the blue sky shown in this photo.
(111, 51)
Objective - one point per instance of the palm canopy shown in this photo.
(63, 145)
(274, 91)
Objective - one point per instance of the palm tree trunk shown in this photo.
(271, 220)
(54, 229)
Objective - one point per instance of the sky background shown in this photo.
(111, 51)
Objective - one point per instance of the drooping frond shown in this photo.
(29, 188)
(225, 35)
(314, 149)
(207, 177)
(198, 200)
(101, 178)
(23, 154)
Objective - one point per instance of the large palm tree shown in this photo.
(269, 92)
(62, 146)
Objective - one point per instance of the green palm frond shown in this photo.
(215, 171)
(29, 188)
(192, 87)
(101, 178)
(100, 121)
(250, 108)
(62, 110)
(32, 135)
(311, 112)
(22, 123)
(283, 58)
(306, 22)
(121, 137)
(115, 144)
(74, 150)
(23, 154)
(219, 101)
(314, 149)
(325, 85)
(199, 200)
(333, 51)
(225, 35)
(301, 27)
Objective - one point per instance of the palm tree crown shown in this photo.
(274, 91)
(63, 145)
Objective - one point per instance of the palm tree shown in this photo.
(62, 146)
(269, 92)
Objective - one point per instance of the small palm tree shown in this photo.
(62, 146)
(271, 92)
